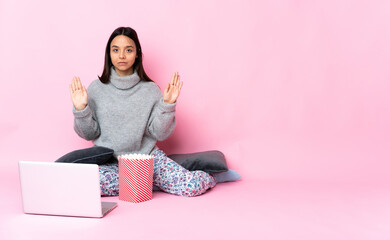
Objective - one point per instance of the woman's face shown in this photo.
(123, 53)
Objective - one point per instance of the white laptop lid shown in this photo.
(66, 189)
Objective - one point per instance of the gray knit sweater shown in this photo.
(127, 115)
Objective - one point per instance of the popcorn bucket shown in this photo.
(135, 177)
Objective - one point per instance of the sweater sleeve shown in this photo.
(85, 125)
(162, 121)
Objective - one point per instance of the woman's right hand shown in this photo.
(78, 94)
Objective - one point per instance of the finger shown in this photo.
(173, 78)
(168, 88)
(180, 86)
(79, 86)
(176, 78)
(84, 90)
(74, 84)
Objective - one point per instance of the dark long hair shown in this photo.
(132, 34)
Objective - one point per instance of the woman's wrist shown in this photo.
(168, 102)
(80, 108)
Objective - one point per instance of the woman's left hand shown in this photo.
(172, 91)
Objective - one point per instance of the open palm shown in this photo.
(172, 91)
(78, 94)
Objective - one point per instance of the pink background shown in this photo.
(286, 89)
(295, 93)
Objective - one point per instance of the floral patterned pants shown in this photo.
(167, 175)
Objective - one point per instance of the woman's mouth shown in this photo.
(122, 63)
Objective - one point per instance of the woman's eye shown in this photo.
(129, 50)
(115, 50)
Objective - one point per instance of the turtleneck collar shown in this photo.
(125, 82)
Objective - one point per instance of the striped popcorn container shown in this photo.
(135, 177)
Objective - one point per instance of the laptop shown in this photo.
(63, 189)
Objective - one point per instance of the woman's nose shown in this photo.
(122, 55)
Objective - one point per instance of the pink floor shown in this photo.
(248, 209)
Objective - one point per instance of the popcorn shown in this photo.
(135, 177)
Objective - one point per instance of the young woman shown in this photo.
(124, 110)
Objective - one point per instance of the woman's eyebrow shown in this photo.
(115, 46)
